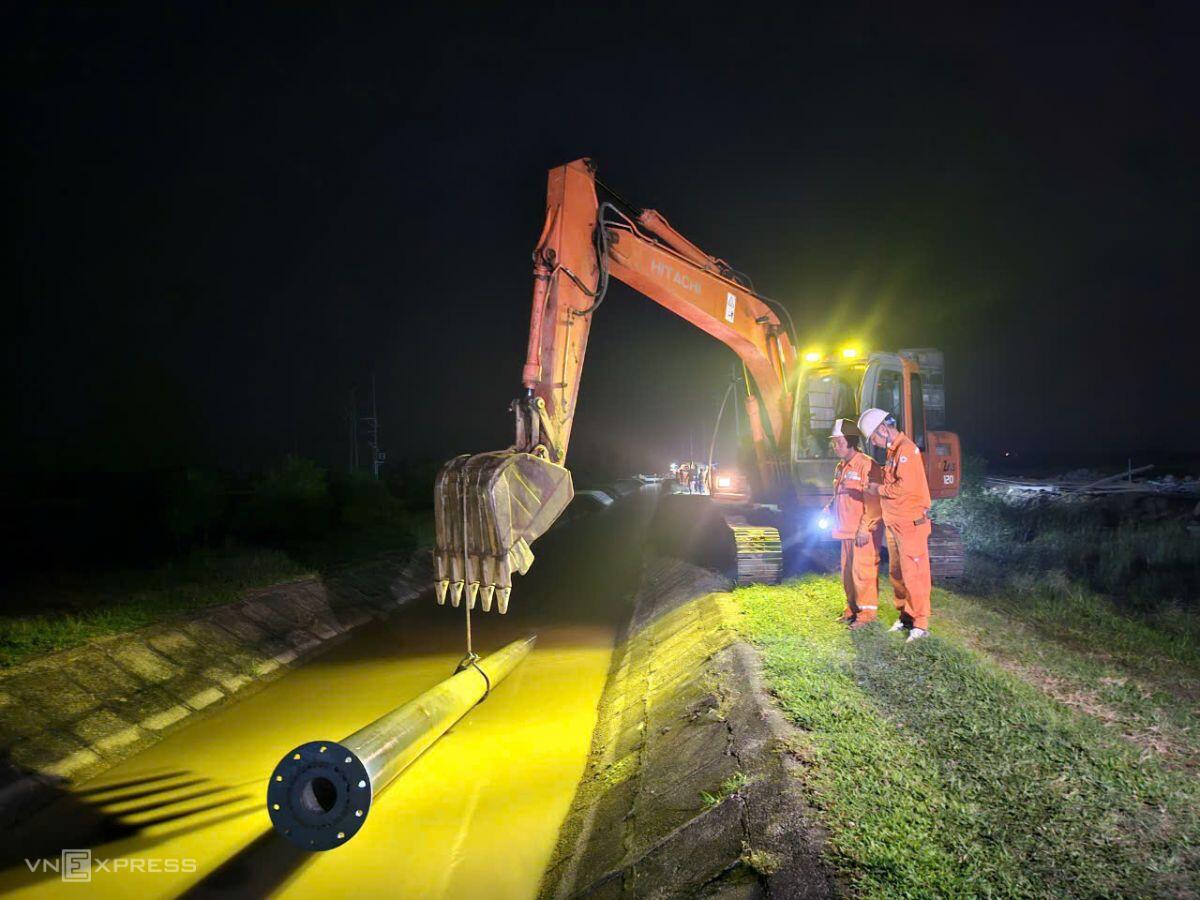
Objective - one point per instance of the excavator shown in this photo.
(490, 507)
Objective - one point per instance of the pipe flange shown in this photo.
(319, 795)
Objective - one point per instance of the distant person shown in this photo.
(904, 497)
(857, 524)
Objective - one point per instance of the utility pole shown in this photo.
(352, 422)
(377, 455)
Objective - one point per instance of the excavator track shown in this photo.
(759, 554)
(946, 555)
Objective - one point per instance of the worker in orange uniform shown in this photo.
(904, 497)
(856, 524)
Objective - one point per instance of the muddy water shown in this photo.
(476, 816)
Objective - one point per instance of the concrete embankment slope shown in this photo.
(689, 788)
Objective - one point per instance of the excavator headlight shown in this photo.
(849, 352)
(812, 356)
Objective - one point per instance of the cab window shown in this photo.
(889, 394)
(824, 398)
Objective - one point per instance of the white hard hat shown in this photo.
(843, 428)
(870, 420)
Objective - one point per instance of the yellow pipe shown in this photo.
(321, 792)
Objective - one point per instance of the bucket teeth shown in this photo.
(440, 588)
(502, 595)
(485, 596)
(472, 593)
(491, 570)
(456, 589)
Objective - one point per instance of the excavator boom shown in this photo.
(490, 507)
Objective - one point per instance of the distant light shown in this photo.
(724, 481)
(812, 356)
(823, 522)
(849, 352)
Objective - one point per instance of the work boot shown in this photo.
(861, 623)
(916, 634)
(847, 616)
(898, 625)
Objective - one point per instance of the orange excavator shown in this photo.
(489, 507)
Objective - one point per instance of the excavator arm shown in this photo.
(490, 507)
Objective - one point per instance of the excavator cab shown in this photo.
(910, 384)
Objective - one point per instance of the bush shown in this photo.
(1143, 564)
(362, 501)
(974, 472)
(195, 504)
(411, 483)
(291, 502)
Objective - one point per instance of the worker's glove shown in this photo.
(862, 538)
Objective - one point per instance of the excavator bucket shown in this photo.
(489, 508)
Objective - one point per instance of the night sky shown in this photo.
(222, 220)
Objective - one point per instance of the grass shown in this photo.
(762, 861)
(728, 788)
(81, 608)
(49, 616)
(942, 769)
(1142, 683)
(1117, 590)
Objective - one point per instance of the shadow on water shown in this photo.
(257, 870)
(121, 811)
(587, 570)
